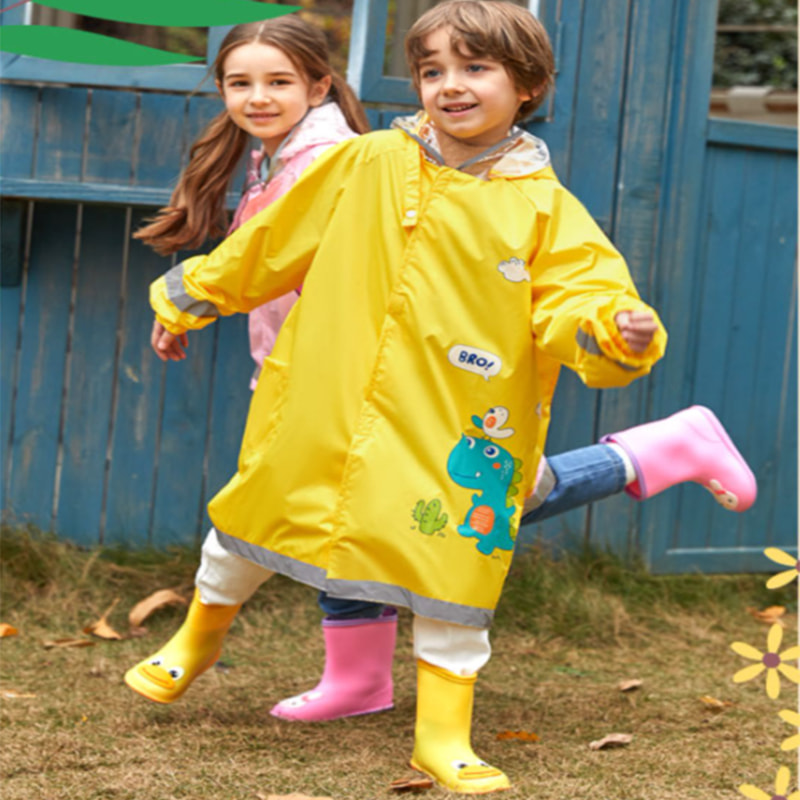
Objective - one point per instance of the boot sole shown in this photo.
(337, 716)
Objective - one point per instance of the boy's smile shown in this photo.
(469, 98)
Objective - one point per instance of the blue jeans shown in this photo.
(582, 476)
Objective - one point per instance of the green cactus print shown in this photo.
(428, 517)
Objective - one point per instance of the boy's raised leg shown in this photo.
(691, 445)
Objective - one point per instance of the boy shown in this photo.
(445, 273)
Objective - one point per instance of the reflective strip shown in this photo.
(182, 300)
(357, 590)
(589, 344)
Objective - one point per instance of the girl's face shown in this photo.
(265, 94)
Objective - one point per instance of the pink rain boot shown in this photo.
(691, 445)
(358, 672)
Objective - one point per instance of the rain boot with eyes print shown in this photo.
(442, 748)
(167, 674)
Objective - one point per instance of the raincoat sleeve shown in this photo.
(263, 259)
(580, 283)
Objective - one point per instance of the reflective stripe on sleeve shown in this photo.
(182, 300)
(588, 343)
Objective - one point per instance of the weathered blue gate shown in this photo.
(102, 443)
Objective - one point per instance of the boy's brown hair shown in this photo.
(502, 31)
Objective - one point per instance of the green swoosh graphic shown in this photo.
(82, 47)
(187, 13)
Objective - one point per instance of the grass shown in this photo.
(567, 632)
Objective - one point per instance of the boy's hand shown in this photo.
(637, 328)
(168, 346)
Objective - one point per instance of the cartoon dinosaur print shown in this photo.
(478, 463)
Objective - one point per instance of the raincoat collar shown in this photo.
(323, 125)
(519, 154)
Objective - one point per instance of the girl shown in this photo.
(277, 86)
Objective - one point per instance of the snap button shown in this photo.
(411, 213)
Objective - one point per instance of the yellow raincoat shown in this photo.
(398, 423)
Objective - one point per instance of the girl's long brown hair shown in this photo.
(196, 210)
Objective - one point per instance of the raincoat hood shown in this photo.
(518, 155)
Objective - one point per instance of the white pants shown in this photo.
(226, 579)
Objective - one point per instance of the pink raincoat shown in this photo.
(321, 128)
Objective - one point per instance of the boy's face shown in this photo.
(470, 98)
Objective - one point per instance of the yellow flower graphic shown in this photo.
(781, 787)
(793, 718)
(771, 661)
(787, 576)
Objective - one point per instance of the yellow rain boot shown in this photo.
(442, 748)
(165, 676)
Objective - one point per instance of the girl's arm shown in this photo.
(265, 258)
(587, 313)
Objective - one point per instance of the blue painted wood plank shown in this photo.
(91, 192)
(158, 157)
(34, 447)
(772, 440)
(178, 502)
(680, 238)
(10, 300)
(109, 149)
(711, 562)
(615, 522)
(557, 131)
(175, 78)
(91, 374)
(598, 104)
(233, 368)
(131, 475)
(751, 134)
(757, 314)
(13, 230)
(18, 112)
(367, 45)
(59, 149)
(782, 530)
(728, 331)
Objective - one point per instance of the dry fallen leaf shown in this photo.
(612, 740)
(769, 616)
(629, 686)
(13, 694)
(101, 628)
(7, 630)
(525, 736)
(144, 608)
(67, 643)
(416, 783)
(715, 705)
